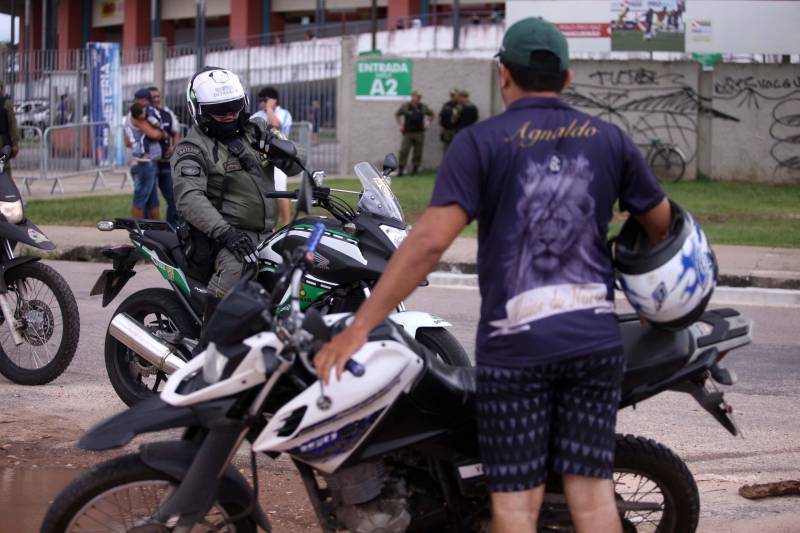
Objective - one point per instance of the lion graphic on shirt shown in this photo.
(558, 231)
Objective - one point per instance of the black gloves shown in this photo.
(239, 244)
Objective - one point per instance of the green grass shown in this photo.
(731, 213)
(629, 41)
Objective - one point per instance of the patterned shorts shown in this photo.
(556, 417)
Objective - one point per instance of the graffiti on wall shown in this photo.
(646, 104)
(781, 98)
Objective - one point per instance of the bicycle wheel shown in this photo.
(668, 164)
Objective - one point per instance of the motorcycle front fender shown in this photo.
(175, 458)
(9, 265)
(26, 233)
(411, 321)
(148, 416)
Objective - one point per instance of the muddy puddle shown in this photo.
(26, 493)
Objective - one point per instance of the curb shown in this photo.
(724, 295)
(726, 280)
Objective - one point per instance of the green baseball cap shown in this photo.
(533, 34)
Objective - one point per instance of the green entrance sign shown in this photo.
(707, 60)
(383, 79)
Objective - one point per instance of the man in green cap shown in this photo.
(413, 118)
(542, 178)
(448, 116)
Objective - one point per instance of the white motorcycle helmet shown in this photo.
(217, 91)
(671, 283)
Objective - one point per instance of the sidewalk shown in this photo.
(740, 266)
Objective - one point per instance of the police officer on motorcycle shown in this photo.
(221, 173)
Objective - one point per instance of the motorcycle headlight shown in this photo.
(214, 364)
(395, 235)
(12, 211)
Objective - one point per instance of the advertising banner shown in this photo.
(105, 99)
(383, 79)
(648, 25)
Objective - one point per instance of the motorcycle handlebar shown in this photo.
(289, 195)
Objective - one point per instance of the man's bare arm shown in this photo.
(416, 258)
(656, 222)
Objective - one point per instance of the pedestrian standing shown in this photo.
(169, 124)
(448, 116)
(314, 118)
(542, 178)
(9, 131)
(468, 112)
(413, 118)
(143, 135)
(272, 113)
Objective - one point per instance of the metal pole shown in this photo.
(13, 47)
(160, 65)
(320, 16)
(374, 15)
(200, 35)
(79, 108)
(27, 49)
(155, 17)
(456, 24)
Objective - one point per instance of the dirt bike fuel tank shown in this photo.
(341, 258)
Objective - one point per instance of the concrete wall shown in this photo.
(367, 130)
(765, 145)
(671, 101)
(648, 100)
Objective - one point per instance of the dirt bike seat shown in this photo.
(653, 354)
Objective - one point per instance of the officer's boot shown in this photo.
(153, 213)
(137, 212)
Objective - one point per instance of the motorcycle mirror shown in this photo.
(390, 164)
(305, 199)
(284, 147)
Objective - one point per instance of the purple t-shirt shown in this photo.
(542, 179)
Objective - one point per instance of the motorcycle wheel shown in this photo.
(46, 308)
(123, 493)
(160, 311)
(443, 344)
(654, 487)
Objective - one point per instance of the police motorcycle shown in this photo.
(39, 322)
(391, 447)
(155, 330)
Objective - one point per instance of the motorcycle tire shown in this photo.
(126, 370)
(85, 497)
(40, 326)
(655, 462)
(444, 344)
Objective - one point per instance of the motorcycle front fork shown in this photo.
(7, 304)
(400, 308)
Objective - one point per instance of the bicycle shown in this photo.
(666, 160)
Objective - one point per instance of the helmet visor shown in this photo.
(222, 109)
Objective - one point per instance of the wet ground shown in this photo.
(27, 493)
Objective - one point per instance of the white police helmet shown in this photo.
(671, 283)
(215, 91)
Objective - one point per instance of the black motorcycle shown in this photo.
(391, 447)
(353, 252)
(39, 322)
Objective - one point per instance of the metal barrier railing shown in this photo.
(29, 159)
(71, 150)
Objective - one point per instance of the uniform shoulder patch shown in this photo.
(187, 149)
(190, 170)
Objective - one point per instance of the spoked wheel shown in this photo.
(668, 164)
(655, 490)
(162, 313)
(47, 321)
(124, 495)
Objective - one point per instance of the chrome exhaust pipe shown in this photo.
(157, 352)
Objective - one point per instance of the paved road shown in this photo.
(766, 401)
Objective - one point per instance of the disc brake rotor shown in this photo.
(38, 321)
